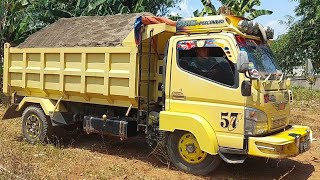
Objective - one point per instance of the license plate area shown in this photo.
(304, 144)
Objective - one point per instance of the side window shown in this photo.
(208, 62)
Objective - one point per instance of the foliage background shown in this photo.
(302, 41)
(20, 18)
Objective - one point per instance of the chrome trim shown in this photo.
(266, 148)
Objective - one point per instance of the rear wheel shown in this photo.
(36, 127)
(185, 153)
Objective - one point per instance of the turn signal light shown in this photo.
(266, 98)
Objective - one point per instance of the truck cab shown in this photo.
(226, 95)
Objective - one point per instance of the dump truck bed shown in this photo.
(78, 74)
(98, 75)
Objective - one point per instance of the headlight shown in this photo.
(256, 122)
(243, 26)
(270, 32)
(256, 29)
(250, 28)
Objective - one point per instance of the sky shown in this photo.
(280, 9)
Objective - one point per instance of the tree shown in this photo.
(307, 30)
(234, 7)
(15, 23)
(301, 43)
(109, 7)
(244, 7)
(284, 52)
(208, 9)
(20, 18)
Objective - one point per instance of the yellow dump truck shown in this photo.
(206, 88)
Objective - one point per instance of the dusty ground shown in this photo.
(94, 157)
(87, 31)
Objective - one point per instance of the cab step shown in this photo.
(234, 158)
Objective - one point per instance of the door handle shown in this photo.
(178, 95)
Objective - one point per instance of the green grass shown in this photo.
(87, 157)
(305, 94)
(306, 99)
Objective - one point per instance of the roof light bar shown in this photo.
(270, 32)
(253, 28)
(243, 26)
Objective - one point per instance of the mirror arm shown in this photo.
(246, 75)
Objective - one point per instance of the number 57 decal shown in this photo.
(230, 121)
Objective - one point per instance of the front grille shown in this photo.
(276, 123)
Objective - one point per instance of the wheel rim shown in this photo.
(189, 149)
(33, 126)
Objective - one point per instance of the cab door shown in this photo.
(209, 88)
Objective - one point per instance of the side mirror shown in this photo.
(310, 73)
(246, 88)
(243, 62)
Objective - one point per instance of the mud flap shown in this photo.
(11, 113)
(58, 118)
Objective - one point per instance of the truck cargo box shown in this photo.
(98, 75)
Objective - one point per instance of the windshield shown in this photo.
(261, 56)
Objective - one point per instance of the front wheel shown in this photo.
(185, 153)
(36, 127)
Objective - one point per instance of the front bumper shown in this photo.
(291, 142)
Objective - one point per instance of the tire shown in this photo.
(36, 126)
(190, 160)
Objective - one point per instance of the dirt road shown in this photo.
(95, 157)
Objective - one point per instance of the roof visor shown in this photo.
(201, 24)
(237, 24)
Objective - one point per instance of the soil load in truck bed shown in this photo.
(87, 31)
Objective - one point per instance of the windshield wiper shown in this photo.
(281, 77)
(267, 78)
